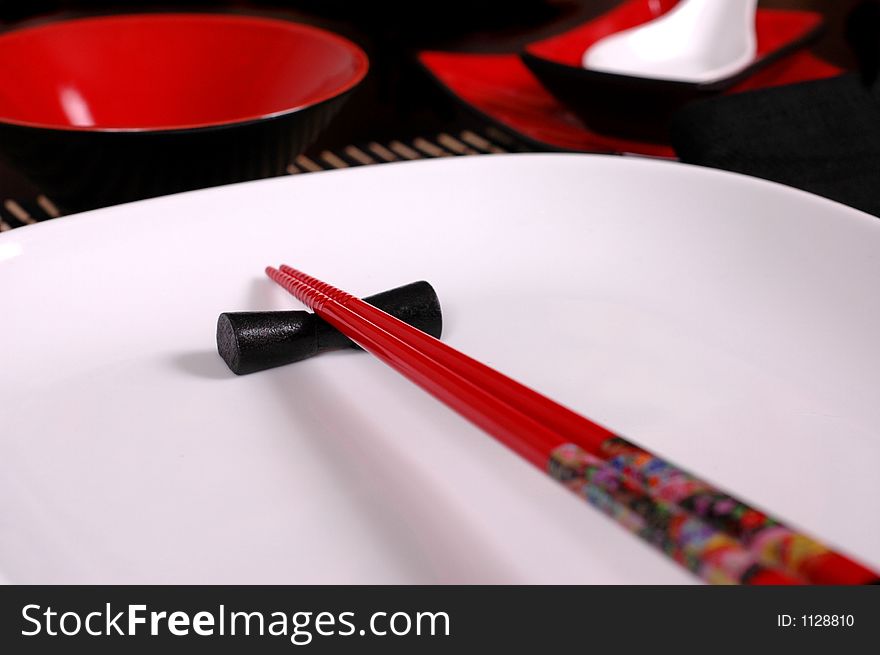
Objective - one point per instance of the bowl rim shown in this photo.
(359, 56)
(535, 59)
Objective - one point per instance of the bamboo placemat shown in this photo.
(459, 142)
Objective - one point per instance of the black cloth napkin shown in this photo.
(821, 136)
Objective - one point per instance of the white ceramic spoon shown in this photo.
(697, 41)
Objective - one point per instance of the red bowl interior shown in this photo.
(169, 71)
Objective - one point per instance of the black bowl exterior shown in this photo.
(617, 105)
(86, 169)
(638, 107)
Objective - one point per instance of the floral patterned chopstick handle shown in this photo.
(771, 543)
(711, 554)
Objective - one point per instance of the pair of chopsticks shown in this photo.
(718, 537)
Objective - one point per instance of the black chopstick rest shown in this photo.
(254, 341)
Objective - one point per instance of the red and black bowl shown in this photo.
(98, 111)
(626, 106)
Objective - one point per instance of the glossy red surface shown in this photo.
(169, 71)
(569, 47)
(502, 89)
(775, 30)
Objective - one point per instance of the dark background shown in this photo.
(397, 100)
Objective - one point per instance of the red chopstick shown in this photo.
(576, 450)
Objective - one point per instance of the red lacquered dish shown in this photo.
(502, 89)
(145, 104)
(170, 71)
(637, 107)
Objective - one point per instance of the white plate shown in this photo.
(729, 324)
